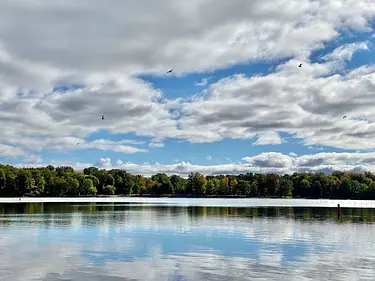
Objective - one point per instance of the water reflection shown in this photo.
(117, 211)
(47, 241)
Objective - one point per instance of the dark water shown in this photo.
(46, 241)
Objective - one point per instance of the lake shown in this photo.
(129, 241)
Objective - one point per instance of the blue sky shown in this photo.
(235, 101)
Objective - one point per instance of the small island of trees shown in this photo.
(64, 181)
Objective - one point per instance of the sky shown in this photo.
(235, 102)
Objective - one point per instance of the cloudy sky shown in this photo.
(236, 100)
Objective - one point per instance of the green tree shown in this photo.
(90, 170)
(272, 184)
(24, 182)
(285, 187)
(316, 189)
(94, 179)
(253, 189)
(58, 187)
(163, 184)
(305, 187)
(210, 187)
(119, 183)
(109, 190)
(233, 184)
(140, 185)
(39, 184)
(73, 184)
(201, 184)
(224, 186)
(372, 186)
(178, 184)
(88, 187)
(2, 181)
(217, 184)
(110, 180)
(355, 187)
(244, 187)
(345, 188)
(128, 183)
(363, 188)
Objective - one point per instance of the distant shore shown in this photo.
(209, 202)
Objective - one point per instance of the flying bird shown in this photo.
(170, 71)
(344, 117)
(77, 143)
(300, 65)
(102, 117)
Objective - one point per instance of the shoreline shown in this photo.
(200, 202)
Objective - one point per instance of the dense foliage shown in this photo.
(64, 181)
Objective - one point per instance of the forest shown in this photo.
(64, 181)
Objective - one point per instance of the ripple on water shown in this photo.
(121, 242)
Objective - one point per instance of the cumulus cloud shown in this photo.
(73, 144)
(268, 138)
(203, 82)
(266, 162)
(270, 160)
(44, 45)
(11, 151)
(33, 159)
(346, 52)
(104, 163)
(292, 101)
(156, 144)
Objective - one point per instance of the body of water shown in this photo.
(117, 241)
(204, 202)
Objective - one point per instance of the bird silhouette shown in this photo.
(102, 117)
(170, 71)
(77, 143)
(344, 117)
(300, 65)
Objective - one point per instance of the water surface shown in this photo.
(204, 202)
(96, 241)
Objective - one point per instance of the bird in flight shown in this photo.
(170, 71)
(77, 143)
(102, 117)
(300, 65)
(344, 117)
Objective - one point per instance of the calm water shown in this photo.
(95, 241)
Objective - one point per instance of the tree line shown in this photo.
(64, 181)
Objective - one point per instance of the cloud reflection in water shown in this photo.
(53, 242)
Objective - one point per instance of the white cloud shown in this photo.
(270, 160)
(268, 138)
(156, 144)
(104, 163)
(33, 159)
(106, 145)
(346, 52)
(203, 83)
(9, 151)
(40, 49)
(202, 40)
(267, 162)
(73, 143)
(292, 100)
